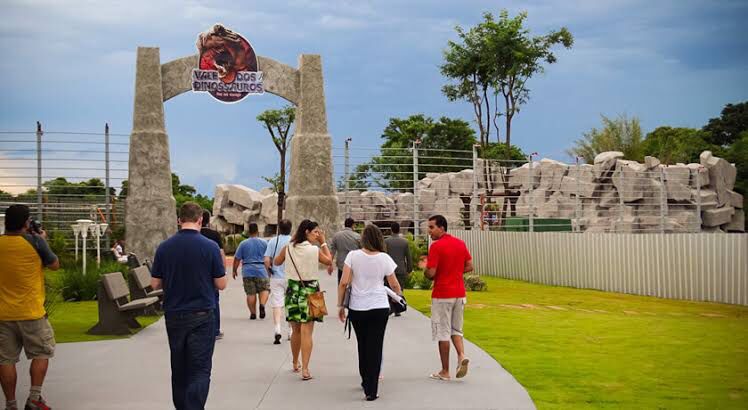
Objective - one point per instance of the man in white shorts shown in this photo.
(448, 260)
(278, 276)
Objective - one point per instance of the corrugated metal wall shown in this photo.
(710, 267)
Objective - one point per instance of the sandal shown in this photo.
(462, 369)
(437, 376)
(296, 367)
(306, 376)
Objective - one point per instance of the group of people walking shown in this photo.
(282, 273)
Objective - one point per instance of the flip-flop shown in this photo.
(296, 369)
(305, 378)
(437, 376)
(462, 369)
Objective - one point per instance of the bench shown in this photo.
(117, 311)
(140, 287)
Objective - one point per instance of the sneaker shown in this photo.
(219, 336)
(252, 316)
(277, 339)
(36, 405)
(262, 311)
(11, 407)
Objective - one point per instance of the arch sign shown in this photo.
(227, 66)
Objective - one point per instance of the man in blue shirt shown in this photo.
(251, 254)
(278, 276)
(189, 269)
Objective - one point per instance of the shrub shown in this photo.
(417, 246)
(75, 286)
(417, 280)
(231, 242)
(475, 283)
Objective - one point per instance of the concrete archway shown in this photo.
(151, 215)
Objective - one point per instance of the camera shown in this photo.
(35, 227)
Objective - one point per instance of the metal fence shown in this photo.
(678, 266)
(407, 185)
(31, 162)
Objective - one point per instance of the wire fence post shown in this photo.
(621, 192)
(347, 178)
(416, 228)
(578, 202)
(39, 204)
(698, 200)
(663, 201)
(474, 218)
(530, 195)
(106, 181)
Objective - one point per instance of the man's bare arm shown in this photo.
(156, 283)
(220, 283)
(430, 273)
(469, 266)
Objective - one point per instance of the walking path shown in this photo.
(249, 372)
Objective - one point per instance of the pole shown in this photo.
(578, 201)
(416, 228)
(347, 178)
(474, 200)
(530, 201)
(698, 200)
(106, 179)
(663, 201)
(39, 133)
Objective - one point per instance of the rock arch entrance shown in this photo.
(151, 215)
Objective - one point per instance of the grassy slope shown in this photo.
(71, 320)
(641, 352)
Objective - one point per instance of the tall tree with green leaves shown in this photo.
(617, 134)
(278, 124)
(727, 128)
(495, 60)
(672, 145)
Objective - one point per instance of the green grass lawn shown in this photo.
(595, 349)
(71, 320)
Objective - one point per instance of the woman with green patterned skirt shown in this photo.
(302, 260)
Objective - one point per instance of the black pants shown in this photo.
(192, 336)
(369, 326)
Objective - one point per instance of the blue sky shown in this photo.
(70, 64)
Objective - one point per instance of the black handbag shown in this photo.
(398, 306)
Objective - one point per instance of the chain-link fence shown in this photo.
(65, 176)
(408, 185)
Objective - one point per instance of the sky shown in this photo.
(71, 65)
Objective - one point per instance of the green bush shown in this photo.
(57, 243)
(231, 242)
(475, 283)
(75, 286)
(417, 280)
(417, 246)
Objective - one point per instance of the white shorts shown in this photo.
(447, 318)
(277, 293)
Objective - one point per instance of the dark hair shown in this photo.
(190, 212)
(372, 238)
(253, 229)
(284, 227)
(395, 227)
(349, 222)
(300, 236)
(440, 221)
(16, 217)
(206, 218)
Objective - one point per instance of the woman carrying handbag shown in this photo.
(368, 304)
(304, 300)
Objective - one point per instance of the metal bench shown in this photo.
(116, 311)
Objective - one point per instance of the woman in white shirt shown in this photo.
(301, 271)
(369, 308)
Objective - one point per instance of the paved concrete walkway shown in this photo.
(249, 372)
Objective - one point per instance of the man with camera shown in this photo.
(23, 321)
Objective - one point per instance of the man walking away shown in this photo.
(448, 260)
(214, 236)
(251, 255)
(23, 320)
(399, 251)
(278, 276)
(343, 242)
(189, 269)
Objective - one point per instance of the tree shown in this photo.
(496, 58)
(619, 134)
(183, 193)
(4, 196)
(358, 179)
(673, 145)
(393, 168)
(728, 127)
(278, 124)
(737, 153)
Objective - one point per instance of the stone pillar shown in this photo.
(311, 193)
(151, 215)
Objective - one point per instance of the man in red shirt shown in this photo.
(448, 260)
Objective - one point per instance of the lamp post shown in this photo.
(76, 231)
(98, 231)
(84, 224)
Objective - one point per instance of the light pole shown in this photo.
(76, 231)
(98, 231)
(84, 224)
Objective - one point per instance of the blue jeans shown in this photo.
(218, 315)
(192, 337)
